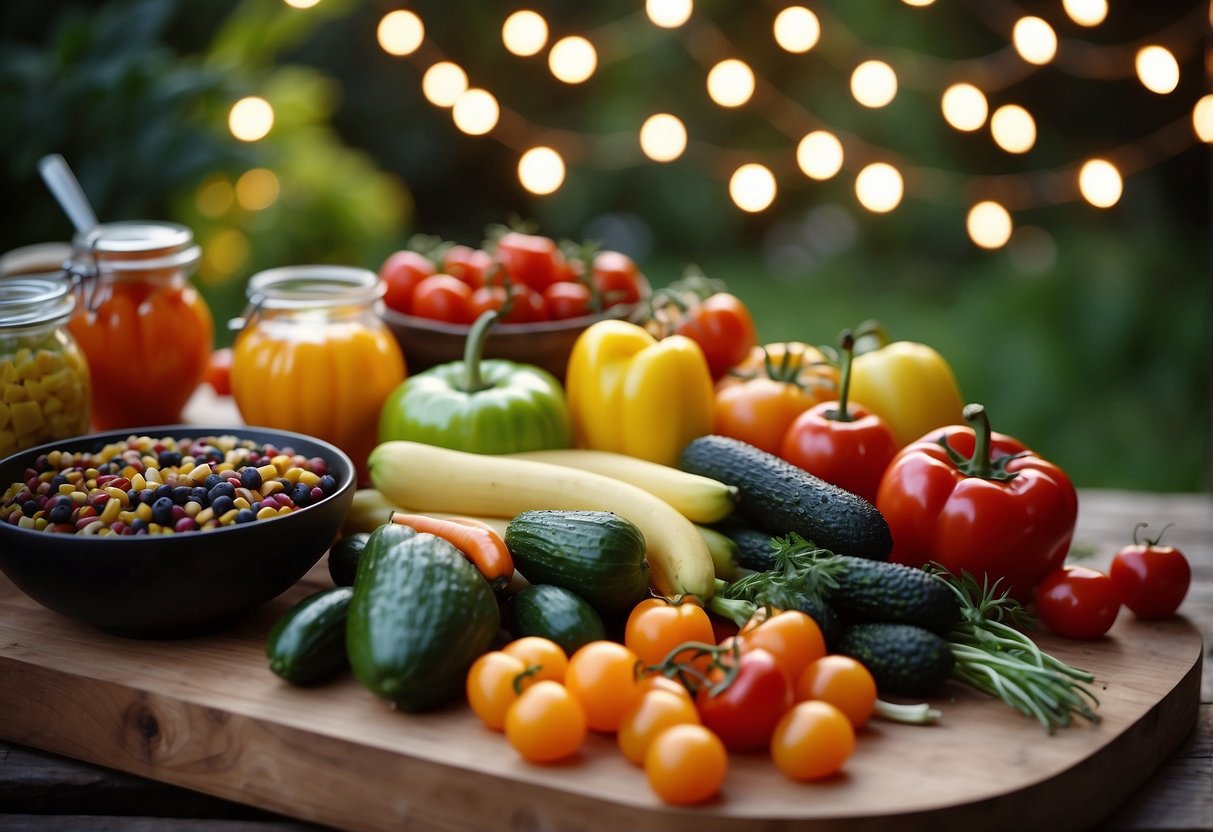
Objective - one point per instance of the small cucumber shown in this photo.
(597, 554)
(307, 644)
(754, 550)
(344, 555)
(894, 593)
(555, 613)
(777, 497)
(903, 659)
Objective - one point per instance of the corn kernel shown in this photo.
(110, 513)
(267, 512)
(152, 475)
(229, 517)
(138, 482)
(200, 473)
(309, 478)
(267, 472)
(204, 515)
(192, 508)
(240, 502)
(143, 512)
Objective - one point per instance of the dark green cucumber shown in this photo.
(343, 557)
(826, 617)
(555, 613)
(420, 615)
(894, 593)
(754, 550)
(307, 644)
(777, 497)
(597, 554)
(903, 659)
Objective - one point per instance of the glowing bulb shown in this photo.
(731, 83)
(1034, 40)
(668, 14)
(257, 189)
(1202, 118)
(879, 187)
(476, 112)
(1100, 183)
(873, 83)
(918, 2)
(797, 29)
(819, 154)
(989, 225)
(573, 59)
(663, 137)
(1086, 12)
(752, 188)
(965, 107)
(1013, 128)
(301, 4)
(1157, 69)
(400, 32)
(251, 118)
(524, 33)
(541, 170)
(443, 83)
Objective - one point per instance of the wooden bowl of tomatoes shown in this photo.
(543, 291)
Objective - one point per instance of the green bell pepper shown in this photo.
(487, 406)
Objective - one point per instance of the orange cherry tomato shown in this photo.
(546, 723)
(843, 682)
(686, 764)
(602, 677)
(813, 740)
(791, 636)
(648, 716)
(491, 686)
(654, 681)
(542, 653)
(656, 626)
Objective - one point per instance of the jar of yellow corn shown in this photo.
(44, 377)
(313, 355)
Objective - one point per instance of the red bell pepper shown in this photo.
(981, 502)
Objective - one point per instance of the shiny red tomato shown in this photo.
(722, 327)
(1150, 579)
(219, 371)
(852, 454)
(745, 713)
(486, 298)
(1077, 602)
(529, 258)
(443, 298)
(616, 278)
(471, 265)
(567, 300)
(525, 306)
(401, 272)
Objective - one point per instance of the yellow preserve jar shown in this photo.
(44, 377)
(314, 356)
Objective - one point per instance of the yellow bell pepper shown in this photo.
(907, 384)
(632, 394)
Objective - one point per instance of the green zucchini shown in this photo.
(903, 659)
(420, 615)
(777, 497)
(555, 613)
(597, 554)
(343, 557)
(895, 593)
(307, 644)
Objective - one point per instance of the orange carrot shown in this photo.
(478, 541)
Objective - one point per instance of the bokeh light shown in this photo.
(257, 189)
(731, 83)
(918, 2)
(541, 170)
(1013, 128)
(819, 154)
(1100, 183)
(215, 197)
(879, 187)
(524, 33)
(797, 29)
(1086, 12)
(989, 225)
(1157, 69)
(1034, 40)
(301, 4)
(400, 32)
(663, 137)
(1202, 118)
(874, 83)
(251, 118)
(668, 14)
(443, 83)
(752, 188)
(964, 107)
(476, 112)
(573, 59)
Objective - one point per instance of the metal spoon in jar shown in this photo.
(62, 182)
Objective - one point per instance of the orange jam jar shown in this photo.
(144, 329)
(314, 356)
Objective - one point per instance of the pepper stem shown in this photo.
(473, 349)
(847, 344)
(975, 415)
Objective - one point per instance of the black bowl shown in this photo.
(168, 586)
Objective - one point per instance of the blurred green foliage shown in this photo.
(1088, 337)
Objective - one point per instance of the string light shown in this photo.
(251, 119)
(663, 137)
(874, 83)
(301, 4)
(731, 83)
(1100, 183)
(819, 155)
(879, 187)
(524, 33)
(1034, 40)
(1202, 118)
(797, 29)
(989, 225)
(752, 188)
(1086, 12)
(965, 107)
(476, 112)
(541, 170)
(257, 189)
(1157, 69)
(668, 14)
(400, 32)
(573, 59)
(1013, 128)
(443, 83)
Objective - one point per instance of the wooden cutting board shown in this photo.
(207, 714)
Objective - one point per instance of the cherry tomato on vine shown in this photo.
(686, 764)
(812, 740)
(655, 681)
(401, 272)
(486, 298)
(656, 626)
(648, 716)
(722, 327)
(744, 713)
(1077, 602)
(602, 677)
(843, 682)
(567, 300)
(529, 259)
(524, 306)
(1150, 579)
(546, 723)
(491, 687)
(542, 653)
(443, 298)
(471, 265)
(791, 637)
(616, 278)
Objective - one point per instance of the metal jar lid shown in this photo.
(310, 287)
(138, 245)
(30, 300)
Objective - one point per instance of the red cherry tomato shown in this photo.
(722, 327)
(567, 300)
(616, 278)
(471, 265)
(219, 371)
(1077, 602)
(1150, 579)
(443, 298)
(525, 306)
(401, 272)
(486, 298)
(529, 259)
(851, 454)
(745, 713)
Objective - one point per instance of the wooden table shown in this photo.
(40, 791)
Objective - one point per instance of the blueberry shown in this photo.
(221, 489)
(301, 494)
(162, 511)
(222, 505)
(212, 480)
(164, 491)
(328, 484)
(147, 496)
(57, 481)
(60, 513)
(181, 495)
(250, 478)
(140, 525)
(169, 459)
(198, 495)
(245, 516)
